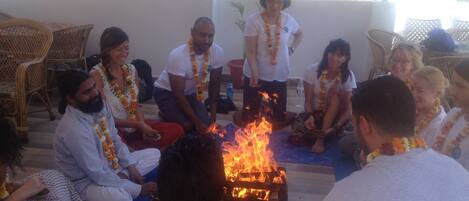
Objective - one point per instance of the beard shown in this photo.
(93, 105)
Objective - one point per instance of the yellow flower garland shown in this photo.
(104, 136)
(131, 107)
(4, 191)
(322, 89)
(428, 118)
(202, 81)
(454, 144)
(398, 146)
(273, 46)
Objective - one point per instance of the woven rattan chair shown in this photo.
(461, 35)
(381, 43)
(417, 30)
(23, 47)
(460, 24)
(68, 49)
(446, 63)
(4, 16)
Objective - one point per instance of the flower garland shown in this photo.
(131, 107)
(398, 146)
(428, 118)
(323, 90)
(202, 81)
(452, 148)
(104, 136)
(273, 46)
(4, 193)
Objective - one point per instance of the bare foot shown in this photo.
(318, 146)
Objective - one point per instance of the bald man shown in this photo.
(178, 93)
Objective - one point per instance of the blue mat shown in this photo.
(285, 152)
(151, 176)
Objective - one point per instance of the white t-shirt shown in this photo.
(459, 125)
(179, 64)
(311, 77)
(267, 71)
(431, 131)
(418, 175)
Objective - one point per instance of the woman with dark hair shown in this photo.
(328, 89)
(267, 65)
(453, 138)
(118, 84)
(45, 185)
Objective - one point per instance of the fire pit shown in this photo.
(251, 171)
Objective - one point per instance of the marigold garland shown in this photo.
(454, 144)
(422, 124)
(322, 88)
(130, 107)
(397, 146)
(104, 136)
(202, 81)
(273, 46)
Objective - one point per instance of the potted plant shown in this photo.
(236, 65)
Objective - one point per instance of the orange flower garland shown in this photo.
(428, 118)
(104, 136)
(202, 81)
(131, 107)
(454, 144)
(4, 191)
(273, 46)
(398, 146)
(323, 90)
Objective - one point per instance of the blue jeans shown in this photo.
(171, 111)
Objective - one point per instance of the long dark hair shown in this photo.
(111, 38)
(10, 145)
(337, 45)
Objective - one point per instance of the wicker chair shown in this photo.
(68, 49)
(4, 16)
(381, 43)
(461, 35)
(417, 30)
(460, 24)
(446, 63)
(23, 47)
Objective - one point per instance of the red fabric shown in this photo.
(170, 133)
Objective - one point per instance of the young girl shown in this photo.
(328, 89)
(45, 185)
(118, 85)
(429, 86)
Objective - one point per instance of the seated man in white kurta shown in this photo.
(453, 136)
(399, 166)
(89, 151)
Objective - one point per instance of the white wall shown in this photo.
(154, 26)
(157, 26)
(321, 21)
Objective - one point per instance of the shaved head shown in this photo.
(202, 21)
(202, 34)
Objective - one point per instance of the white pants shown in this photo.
(147, 160)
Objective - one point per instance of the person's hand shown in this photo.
(135, 175)
(201, 127)
(254, 81)
(32, 187)
(148, 189)
(123, 176)
(309, 123)
(149, 132)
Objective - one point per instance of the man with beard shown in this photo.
(399, 164)
(89, 151)
(191, 68)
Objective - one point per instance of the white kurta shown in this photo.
(432, 130)
(416, 175)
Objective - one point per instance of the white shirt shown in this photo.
(418, 175)
(267, 71)
(311, 77)
(179, 64)
(432, 130)
(459, 125)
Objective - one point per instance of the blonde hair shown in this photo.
(415, 53)
(433, 77)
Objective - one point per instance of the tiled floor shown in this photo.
(305, 182)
